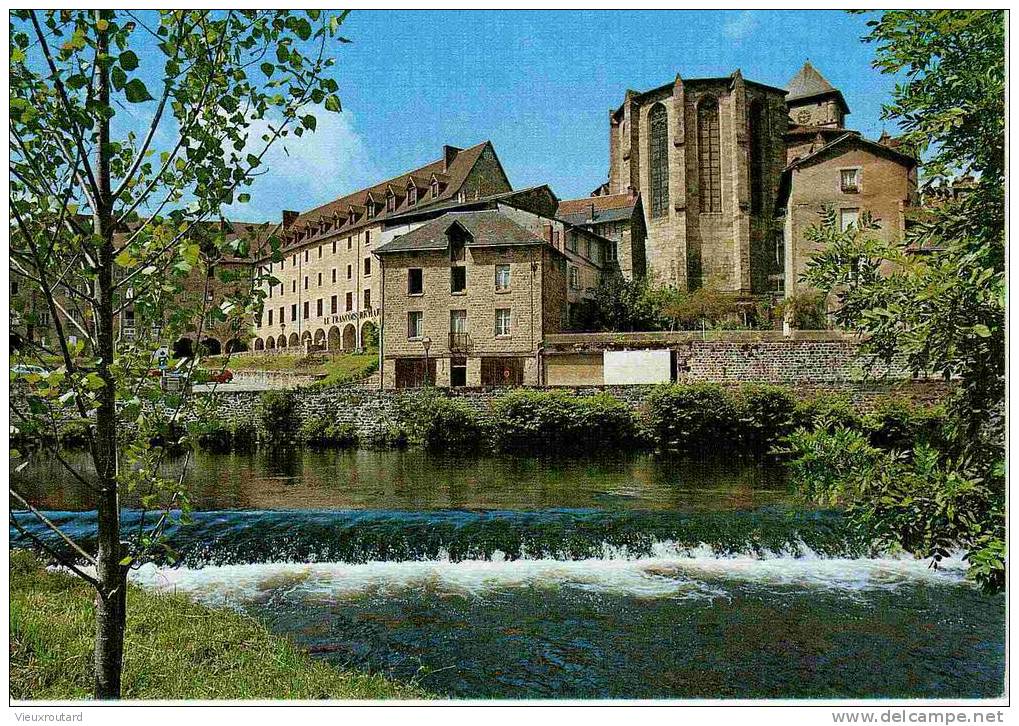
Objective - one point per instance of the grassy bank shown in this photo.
(175, 649)
(338, 368)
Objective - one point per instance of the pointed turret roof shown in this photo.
(809, 83)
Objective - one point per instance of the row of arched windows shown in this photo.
(709, 157)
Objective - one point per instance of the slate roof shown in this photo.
(487, 228)
(454, 204)
(454, 177)
(808, 83)
(607, 208)
(850, 137)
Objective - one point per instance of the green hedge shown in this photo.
(554, 421)
(439, 423)
(699, 418)
(277, 414)
(327, 432)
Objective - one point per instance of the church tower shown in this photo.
(812, 101)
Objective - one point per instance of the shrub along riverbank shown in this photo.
(175, 649)
(698, 419)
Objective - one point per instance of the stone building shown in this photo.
(617, 217)
(469, 296)
(830, 166)
(328, 291)
(729, 173)
(705, 155)
(205, 287)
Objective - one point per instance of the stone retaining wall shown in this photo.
(373, 412)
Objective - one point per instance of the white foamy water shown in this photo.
(668, 573)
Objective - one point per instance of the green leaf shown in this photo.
(244, 198)
(136, 92)
(982, 330)
(333, 103)
(128, 60)
(309, 122)
(118, 77)
(125, 259)
(268, 69)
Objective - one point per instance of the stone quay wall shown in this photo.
(373, 412)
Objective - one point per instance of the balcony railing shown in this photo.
(459, 342)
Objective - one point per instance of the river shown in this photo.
(630, 577)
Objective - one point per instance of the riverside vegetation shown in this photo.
(703, 419)
(176, 649)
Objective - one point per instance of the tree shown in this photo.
(936, 301)
(107, 212)
(623, 305)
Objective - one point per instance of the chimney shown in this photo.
(289, 217)
(448, 155)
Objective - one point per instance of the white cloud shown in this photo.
(301, 173)
(739, 25)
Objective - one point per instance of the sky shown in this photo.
(539, 85)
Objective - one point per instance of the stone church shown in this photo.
(717, 162)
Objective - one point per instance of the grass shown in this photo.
(174, 649)
(337, 368)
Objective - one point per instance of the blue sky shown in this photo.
(538, 85)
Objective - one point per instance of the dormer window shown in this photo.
(435, 188)
(391, 203)
(412, 194)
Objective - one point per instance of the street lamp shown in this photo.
(426, 343)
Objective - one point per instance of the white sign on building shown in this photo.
(632, 367)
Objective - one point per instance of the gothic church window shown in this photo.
(757, 175)
(658, 121)
(709, 156)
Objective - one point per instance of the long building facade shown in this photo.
(328, 292)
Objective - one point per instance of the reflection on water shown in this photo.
(292, 478)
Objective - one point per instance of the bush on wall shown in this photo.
(440, 423)
(327, 432)
(765, 416)
(698, 418)
(276, 412)
(555, 421)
